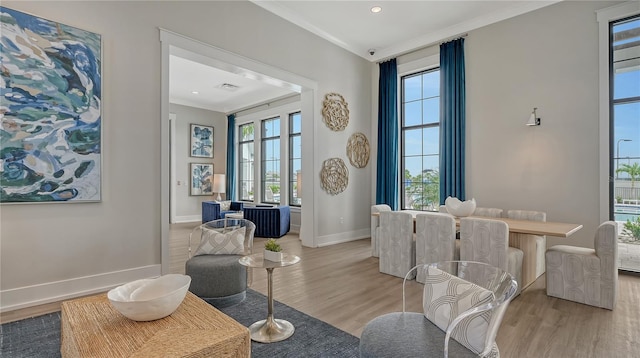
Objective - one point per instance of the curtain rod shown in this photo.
(438, 43)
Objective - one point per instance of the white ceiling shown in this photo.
(401, 27)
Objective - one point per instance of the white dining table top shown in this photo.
(548, 228)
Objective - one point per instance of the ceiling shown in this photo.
(400, 27)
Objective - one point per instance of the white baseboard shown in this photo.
(343, 237)
(294, 229)
(28, 296)
(187, 219)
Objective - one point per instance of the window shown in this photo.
(245, 161)
(270, 153)
(295, 158)
(420, 140)
(625, 114)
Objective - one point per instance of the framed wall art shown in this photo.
(201, 141)
(51, 130)
(201, 179)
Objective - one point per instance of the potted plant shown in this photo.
(272, 250)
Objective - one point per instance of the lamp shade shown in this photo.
(219, 184)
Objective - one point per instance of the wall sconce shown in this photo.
(219, 185)
(533, 119)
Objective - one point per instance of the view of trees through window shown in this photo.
(295, 158)
(420, 118)
(245, 161)
(271, 160)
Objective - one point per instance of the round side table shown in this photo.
(271, 329)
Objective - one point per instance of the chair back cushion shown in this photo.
(446, 296)
(484, 240)
(214, 242)
(435, 239)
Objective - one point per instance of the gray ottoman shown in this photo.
(217, 279)
(408, 335)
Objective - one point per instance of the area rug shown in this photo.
(39, 337)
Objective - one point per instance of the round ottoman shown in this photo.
(217, 279)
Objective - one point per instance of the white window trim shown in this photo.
(605, 16)
(282, 111)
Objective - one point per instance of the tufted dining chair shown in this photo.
(488, 212)
(584, 275)
(529, 243)
(461, 314)
(435, 240)
(375, 227)
(396, 245)
(487, 240)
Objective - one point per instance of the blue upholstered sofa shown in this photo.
(211, 210)
(272, 222)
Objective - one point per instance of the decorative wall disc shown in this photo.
(335, 112)
(358, 150)
(334, 176)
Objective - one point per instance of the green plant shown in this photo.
(619, 199)
(272, 245)
(632, 228)
(632, 170)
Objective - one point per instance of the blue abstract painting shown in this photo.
(201, 179)
(50, 111)
(201, 141)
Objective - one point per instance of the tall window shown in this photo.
(625, 116)
(420, 116)
(270, 160)
(295, 159)
(245, 161)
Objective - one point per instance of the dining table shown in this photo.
(528, 244)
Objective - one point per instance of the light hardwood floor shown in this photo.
(341, 285)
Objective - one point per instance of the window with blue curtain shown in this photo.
(420, 140)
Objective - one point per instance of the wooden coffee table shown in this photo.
(92, 327)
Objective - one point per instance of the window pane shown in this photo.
(626, 59)
(412, 114)
(431, 84)
(246, 132)
(296, 123)
(412, 167)
(431, 110)
(412, 88)
(412, 142)
(431, 138)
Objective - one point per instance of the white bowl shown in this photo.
(459, 208)
(150, 299)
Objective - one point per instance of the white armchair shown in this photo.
(584, 275)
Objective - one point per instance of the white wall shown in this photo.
(546, 59)
(56, 251)
(188, 207)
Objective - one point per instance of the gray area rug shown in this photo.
(39, 337)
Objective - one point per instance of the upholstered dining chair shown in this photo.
(487, 240)
(460, 316)
(488, 212)
(216, 274)
(435, 240)
(584, 275)
(375, 227)
(396, 245)
(535, 243)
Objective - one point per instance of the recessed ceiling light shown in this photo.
(376, 9)
(195, 92)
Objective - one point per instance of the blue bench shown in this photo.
(271, 222)
(211, 210)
